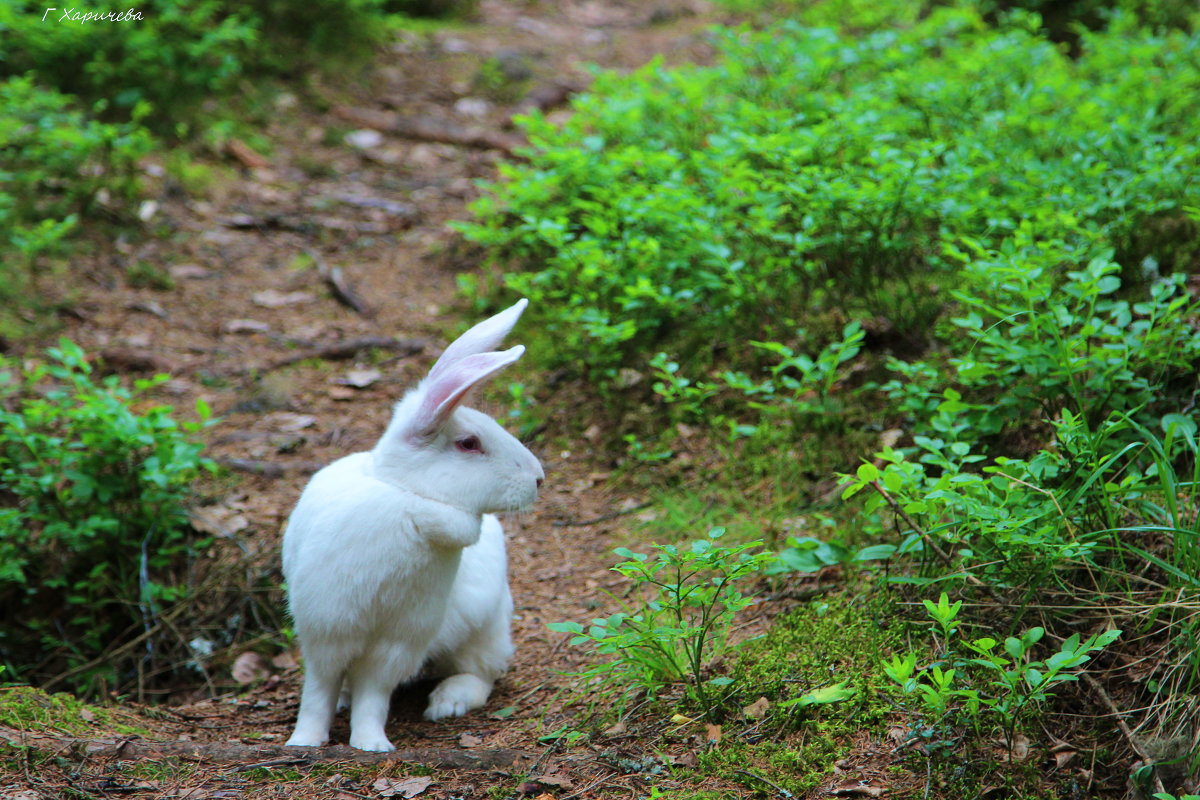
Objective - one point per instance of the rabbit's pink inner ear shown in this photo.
(444, 391)
(484, 337)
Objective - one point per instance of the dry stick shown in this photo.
(571, 523)
(275, 762)
(258, 755)
(430, 129)
(270, 469)
(782, 792)
(346, 349)
(1124, 726)
(343, 292)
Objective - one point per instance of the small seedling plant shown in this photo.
(982, 681)
(686, 598)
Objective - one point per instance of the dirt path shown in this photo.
(341, 188)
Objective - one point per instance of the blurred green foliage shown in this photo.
(94, 533)
(695, 209)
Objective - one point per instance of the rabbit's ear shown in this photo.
(444, 389)
(482, 338)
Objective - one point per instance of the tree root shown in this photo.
(248, 756)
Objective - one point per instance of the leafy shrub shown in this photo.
(805, 170)
(180, 51)
(972, 681)
(1030, 342)
(684, 625)
(54, 164)
(93, 525)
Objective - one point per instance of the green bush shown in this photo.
(54, 164)
(181, 52)
(1029, 343)
(805, 170)
(93, 525)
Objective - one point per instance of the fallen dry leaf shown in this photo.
(713, 733)
(360, 378)
(404, 787)
(470, 740)
(250, 667)
(342, 393)
(244, 326)
(858, 788)
(242, 152)
(1020, 747)
(560, 781)
(616, 730)
(1063, 757)
(289, 422)
(758, 709)
(193, 272)
(218, 521)
(285, 660)
(273, 298)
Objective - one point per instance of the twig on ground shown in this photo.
(345, 349)
(275, 762)
(270, 469)
(782, 792)
(343, 292)
(429, 129)
(577, 523)
(1125, 729)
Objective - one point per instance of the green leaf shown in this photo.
(875, 552)
(836, 693)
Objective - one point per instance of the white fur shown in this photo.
(394, 560)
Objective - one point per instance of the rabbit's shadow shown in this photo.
(408, 707)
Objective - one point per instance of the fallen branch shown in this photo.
(346, 349)
(343, 292)
(1125, 729)
(428, 129)
(582, 523)
(132, 749)
(270, 469)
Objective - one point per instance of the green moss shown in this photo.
(799, 767)
(167, 769)
(836, 638)
(29, 709)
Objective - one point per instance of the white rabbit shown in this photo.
(393, 558)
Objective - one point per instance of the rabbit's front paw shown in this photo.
(306, 739)
(376, 742)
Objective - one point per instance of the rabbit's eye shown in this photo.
(469, 444)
